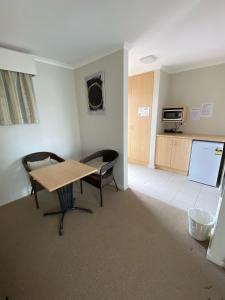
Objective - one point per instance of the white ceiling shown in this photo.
(182, 34)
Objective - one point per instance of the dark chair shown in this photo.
(35, 186)
(106, 172)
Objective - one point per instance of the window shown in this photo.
(17, 99)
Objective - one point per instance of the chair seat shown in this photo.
(98, 180)
(108, 159)
(37, 157)
(38, 186)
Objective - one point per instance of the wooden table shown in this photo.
(60, 177)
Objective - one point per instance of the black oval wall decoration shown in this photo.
(95, 87)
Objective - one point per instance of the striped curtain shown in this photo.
(17, 99)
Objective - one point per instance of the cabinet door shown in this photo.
(163, 151)
(181, 154)
(140, 93)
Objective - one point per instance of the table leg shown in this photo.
(66, 201)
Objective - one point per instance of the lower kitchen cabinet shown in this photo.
(163, 151)
(173, 153)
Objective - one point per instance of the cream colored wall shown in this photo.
(164, 86)
(58, 130)
(195, 87)
(160, 94)
(107, 130)
(216, 250)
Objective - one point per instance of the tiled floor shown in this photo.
(172, 188)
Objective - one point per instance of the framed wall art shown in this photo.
(95, 85)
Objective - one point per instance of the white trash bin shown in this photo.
(200, 224)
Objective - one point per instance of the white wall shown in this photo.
(160, 96)
(58, 130)
(155, 104)
(164, 87)
(106, 130)
(201, 86)
(125, 120)
(216, 250)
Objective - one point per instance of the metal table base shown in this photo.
(67, 202)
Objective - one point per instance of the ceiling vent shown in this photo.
(148, 59)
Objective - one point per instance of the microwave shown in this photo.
(174, 114)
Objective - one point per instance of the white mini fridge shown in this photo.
(205, 162)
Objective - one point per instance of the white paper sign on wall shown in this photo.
(195, 113)
(143, 111)
(207, 110)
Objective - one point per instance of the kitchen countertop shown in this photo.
(201, 137)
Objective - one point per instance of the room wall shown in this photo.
(196, 87)
(106, 130)
(155, 102)
(164, 88)
(160, 96)
(216, 250)
(58, 130)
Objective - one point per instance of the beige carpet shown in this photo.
(132, 248)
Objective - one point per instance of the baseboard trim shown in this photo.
(22, 195)
(120, 187)
(151, 166)
(137, 162)
(171, 170)
(215, 260)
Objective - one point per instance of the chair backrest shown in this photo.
(109, 155)
(39, 156)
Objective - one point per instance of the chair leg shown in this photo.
(36, 198)
(101, 197)
(115, 184)
(81, 186)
